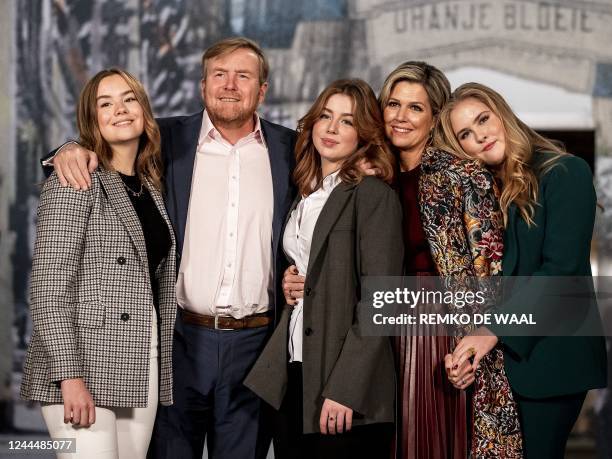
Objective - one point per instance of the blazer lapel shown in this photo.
(510, 245)
(434, 219)
(118, 198)
(329, 215)
(159, 203)
(278, 148)
(184, 144)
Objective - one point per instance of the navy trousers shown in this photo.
(210, 401)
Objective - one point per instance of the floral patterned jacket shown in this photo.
(464, 227)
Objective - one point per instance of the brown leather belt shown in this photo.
(225, 322)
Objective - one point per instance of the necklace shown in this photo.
(136, 194)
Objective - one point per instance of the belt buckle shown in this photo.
(217, 323)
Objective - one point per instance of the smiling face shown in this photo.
(119, 114)
(334, 134)
(479, 130)
(231, 89)
(408, 117)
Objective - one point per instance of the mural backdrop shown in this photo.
(51, 47)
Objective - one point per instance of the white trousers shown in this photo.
(118, 433)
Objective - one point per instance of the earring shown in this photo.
(430, 138)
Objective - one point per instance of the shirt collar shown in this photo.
(210, 131)
(330, 182)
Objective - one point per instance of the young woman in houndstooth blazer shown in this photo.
(102, 286)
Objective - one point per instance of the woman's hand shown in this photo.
(335, 418)
(477, 344)
(459, 369)
(460, 377)
(79, 406)
(367, 167)
(293, 285)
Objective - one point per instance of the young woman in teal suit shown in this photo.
(548, 201)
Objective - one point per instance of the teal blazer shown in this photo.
(557, 245)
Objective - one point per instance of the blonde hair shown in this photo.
(148, 162)
(432, 79)
(368, 123)
(518, 174)
(229, 45)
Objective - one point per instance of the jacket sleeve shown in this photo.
(483, 222)
(380, 246)
(44, 161)
(569, 201)
(63, 215)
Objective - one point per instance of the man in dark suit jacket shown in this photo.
(227, 190)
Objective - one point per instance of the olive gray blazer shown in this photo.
(91, 298)
(358, 233)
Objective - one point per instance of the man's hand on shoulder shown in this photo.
(74, 165)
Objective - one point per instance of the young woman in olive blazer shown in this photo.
(549, 205)
(334, 387)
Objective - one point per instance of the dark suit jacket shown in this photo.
(358, 233)
(557, 245)
(179, 142)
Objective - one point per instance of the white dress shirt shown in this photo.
(226, 266)
(296, 243)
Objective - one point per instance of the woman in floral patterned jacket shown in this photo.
(453, 227)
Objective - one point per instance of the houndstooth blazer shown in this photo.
(91, 298)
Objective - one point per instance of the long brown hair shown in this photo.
(148, 162)
(368, 123)
(518, 174)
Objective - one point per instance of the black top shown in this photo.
(154, 228)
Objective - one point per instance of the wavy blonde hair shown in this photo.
(148, 162)
(517, 173)
(368, 123)
(432, 79)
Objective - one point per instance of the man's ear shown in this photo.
(262, 92)
(202, 87)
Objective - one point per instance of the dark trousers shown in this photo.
(547, 423)
(210, 400)
(366, 441)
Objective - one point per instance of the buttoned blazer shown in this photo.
(180, 136)
(558, 244)
(91, 298)
(358, 233)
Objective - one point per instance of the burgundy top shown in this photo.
(432, 421)
(418, 255)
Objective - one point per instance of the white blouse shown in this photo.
(296, 243)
